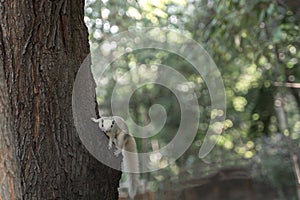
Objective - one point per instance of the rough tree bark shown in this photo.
(42, 44)
(10, 185)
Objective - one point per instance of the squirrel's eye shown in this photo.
(111, 126)
(102, 125)
(113, 121)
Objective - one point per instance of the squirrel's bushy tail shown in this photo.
(131, 166)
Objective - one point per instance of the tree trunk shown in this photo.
(9, 171)
(283, 125)
(42, 44)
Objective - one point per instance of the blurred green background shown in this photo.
(255, 45)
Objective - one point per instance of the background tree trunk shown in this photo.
(42, 46)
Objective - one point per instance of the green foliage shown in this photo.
(255, 44)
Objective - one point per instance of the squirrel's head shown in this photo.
(106, 124)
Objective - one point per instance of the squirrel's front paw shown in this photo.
(117, 152)
(109, 146)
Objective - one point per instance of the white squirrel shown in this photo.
(117, 131)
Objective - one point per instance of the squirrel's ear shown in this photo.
(95, 120)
